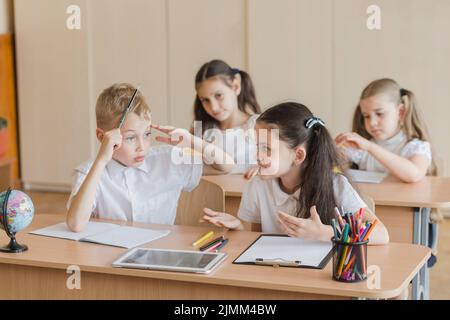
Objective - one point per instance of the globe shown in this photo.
(16, 213)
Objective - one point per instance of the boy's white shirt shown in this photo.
(148, 193)
(239, 143)
(398, 145)
(262, 199)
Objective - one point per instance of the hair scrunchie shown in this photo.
(311, 122)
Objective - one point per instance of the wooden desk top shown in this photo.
(431, 192)
(398, 262)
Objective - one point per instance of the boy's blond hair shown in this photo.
(112, 102)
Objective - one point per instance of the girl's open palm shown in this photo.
(175, 136)
(221, 219)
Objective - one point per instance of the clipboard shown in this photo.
(278, 250)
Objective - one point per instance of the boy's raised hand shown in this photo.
(222, 219)
(111, 140)
(176, 136)
(308, 229)
(352, 140)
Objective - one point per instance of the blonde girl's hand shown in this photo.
(175, 136)
(307, 229)
(111, 140)
(352, 140)
(251, 172)
(222, 219)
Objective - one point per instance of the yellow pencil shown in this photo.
(203, 238)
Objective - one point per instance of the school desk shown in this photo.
(41, 272)
(404, 208)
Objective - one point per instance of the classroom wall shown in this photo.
(316, 52)
(6, 16)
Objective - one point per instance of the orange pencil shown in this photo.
(350, 263)
(366, 236)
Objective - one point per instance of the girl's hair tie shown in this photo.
(235, 70)
(311, 122)
(402, 92)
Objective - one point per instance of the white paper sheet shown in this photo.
(61, 230)
(126, 237)
(309, 253)
(104, 233)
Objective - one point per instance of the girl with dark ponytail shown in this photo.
(225, 108)
(297, 189)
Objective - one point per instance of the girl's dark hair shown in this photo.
(317, 170)
(217, 68)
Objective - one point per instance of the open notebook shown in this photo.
(366, 176)
(104, 233)
(283, 250)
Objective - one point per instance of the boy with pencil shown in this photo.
(128, 180)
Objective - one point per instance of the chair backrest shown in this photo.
(191, 204)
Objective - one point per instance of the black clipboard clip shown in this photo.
(278, 262)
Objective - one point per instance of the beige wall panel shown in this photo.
(6, 16)
(290, 52)
(128, 44)
(199, 31)
(53, 89)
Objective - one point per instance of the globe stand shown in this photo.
(13, 246)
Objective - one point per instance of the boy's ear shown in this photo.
(236, 85)
(99, 133)
(300, 155)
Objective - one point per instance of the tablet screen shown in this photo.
(170, 258)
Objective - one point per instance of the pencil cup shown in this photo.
(349, 261)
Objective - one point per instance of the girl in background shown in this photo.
(226, 107)
(389, 135)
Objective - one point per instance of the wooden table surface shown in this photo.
(431, 192)
(398, 262)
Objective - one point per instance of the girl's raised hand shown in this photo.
(352, 140)
(308, 229)
(222, 219)
(176, 136)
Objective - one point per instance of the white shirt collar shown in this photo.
(116, 169)
(280, 196)
(397, 140)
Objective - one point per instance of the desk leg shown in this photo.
(425, 239)
(420, 236)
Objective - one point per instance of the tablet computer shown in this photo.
(170, 260)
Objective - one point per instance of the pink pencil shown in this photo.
(215, 246)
